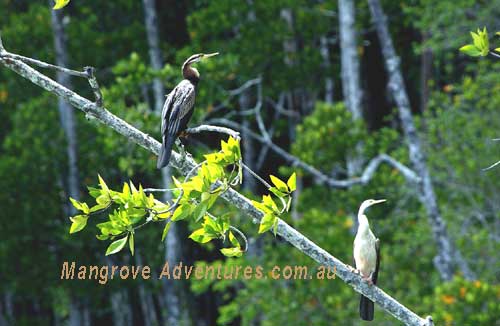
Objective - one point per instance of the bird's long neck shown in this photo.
(190, 73)
(363, 225)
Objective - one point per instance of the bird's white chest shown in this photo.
(365, 253)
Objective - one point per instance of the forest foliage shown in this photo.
(457, 124)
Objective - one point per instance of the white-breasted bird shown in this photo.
(366, 256)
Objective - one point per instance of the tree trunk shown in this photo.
(351, 86)
(151, 21)
(65, 111)
(9, 307)
(146, 299)
(425, 74)
(172, 312)
(447, 255)
(75, 317)
(68, 124)
(329, 83)
(120, 308)
(249, 182)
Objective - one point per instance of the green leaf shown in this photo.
(260, 206)
(470, 50)
(116, 246)
(232, 252)
(233, 240)
(103, 200)
(201, 236)
(267, 223)
(79, 222)
(94, 192)
(80, 205)
(97, 208)
(103, 185)
(131, 243)
(165, 230)
(278, 193)
(126, 191)
(497, 49)
(292, 182)
(269, 202)
(60, 4)
(200, 210)
(279, 184)
(181, 212)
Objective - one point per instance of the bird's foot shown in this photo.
(368, 280)
(353, 270)
(180, 146)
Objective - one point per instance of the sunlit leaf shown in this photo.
(116, 246)
(79, 222)
(60, 4)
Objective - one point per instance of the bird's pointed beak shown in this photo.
(379, 201)
(210, 55)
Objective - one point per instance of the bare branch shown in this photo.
(491, 166)
(88, 72)
(45, 65)
(185, 165)
(247, 84)
(320, 176)
(222, 130)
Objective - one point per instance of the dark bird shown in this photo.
(366, 256)
(178, 107)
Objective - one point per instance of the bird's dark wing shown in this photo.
(176, 112)
(377, 249)
(165, 113)
(182, 108)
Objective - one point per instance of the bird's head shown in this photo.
(188, 71)
(369, 202)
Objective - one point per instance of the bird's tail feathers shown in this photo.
(366, 308)
(165, 152)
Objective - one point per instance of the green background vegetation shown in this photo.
(460, 118)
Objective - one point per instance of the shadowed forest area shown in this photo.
(308, 109)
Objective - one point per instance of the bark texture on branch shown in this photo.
(185, 164)
(448, 256)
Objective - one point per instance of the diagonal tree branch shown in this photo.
(184, 164)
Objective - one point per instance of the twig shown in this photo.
(87, 73)
(185, 164)
(211, 128)
(247, 84)
(242, 235)
(256, 176)
(491, 166)
(160, 190)
(45, 65)
(494, 54)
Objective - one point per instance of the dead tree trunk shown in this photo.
(68, 124)
(329, 82)
(351, 86)
(146, 299)
(172, 250)
(65, 111)
(448, 256)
